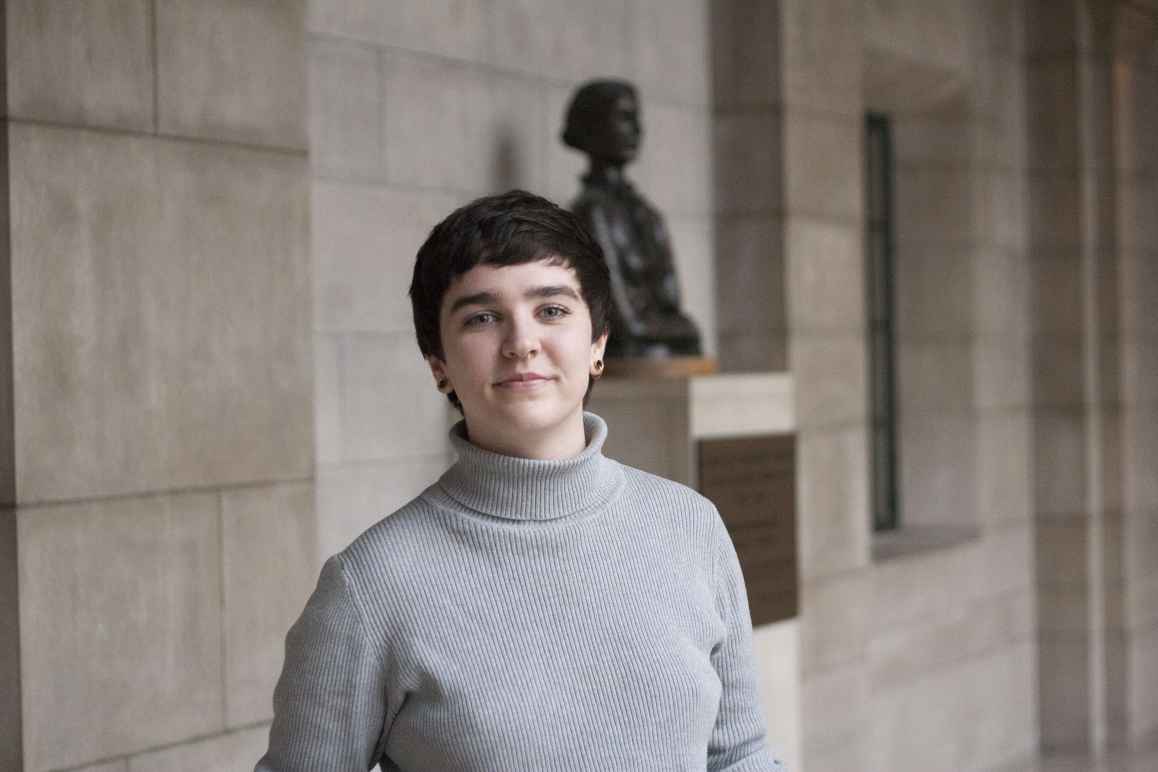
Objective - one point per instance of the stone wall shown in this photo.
(157, 221)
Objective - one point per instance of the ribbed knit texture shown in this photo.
(527, 615)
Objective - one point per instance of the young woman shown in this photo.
(540, 606)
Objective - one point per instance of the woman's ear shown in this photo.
(438, 370)
(599, 345)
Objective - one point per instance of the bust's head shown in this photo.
(603, 121)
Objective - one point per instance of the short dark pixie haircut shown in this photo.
(505, 229)
(589, 108)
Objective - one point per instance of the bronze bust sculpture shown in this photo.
(646, 321)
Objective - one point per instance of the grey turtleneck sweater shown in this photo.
(527, 615)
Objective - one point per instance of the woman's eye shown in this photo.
(479, 319)
(554, 312)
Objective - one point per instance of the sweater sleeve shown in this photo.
(738, 741)
(329, 703)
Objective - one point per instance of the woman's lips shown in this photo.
(525, 382)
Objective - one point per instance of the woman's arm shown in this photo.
(737, 743)
(329, 704)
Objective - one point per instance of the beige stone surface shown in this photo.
(1064, 693)
(935, 377)
(1059, 444)
(748, 166)
(674, 170)
(824, 277)
(671, 49)
(1000, 293)
(559, 39)
(120, 765)
(822, 166)
(345, 90)
(1059, 375)
(935, 207)
(352, 497)
(938, 468)
(365, 238)
(10, 698)
(327, 398)
(1140, 435)
(918, 726)
(1056, 296)
(693, 247)
(390, 408)
(821, 55)
(834, 623)
(841, 696)
(1001, 376)
(88, 63)
(222, 753)
(934, 290)
(924, 588)
(161, 314)
(269, 538)
(832, 491)
(1052, 213)
(495, 122)
(456, 29)
(1143, 702)
(121, 635)
(1003, 466)
(1139, 275)
(232, 70)
(1053, 127)
(750, 276)
(745, 47)
(833, 371)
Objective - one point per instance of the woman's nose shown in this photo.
(520, 340)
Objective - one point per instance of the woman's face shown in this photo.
(616, 135)
(518, 353)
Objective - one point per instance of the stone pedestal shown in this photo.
(657, 425)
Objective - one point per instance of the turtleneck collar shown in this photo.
(531, 489)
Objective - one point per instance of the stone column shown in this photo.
(1075, 303)
(158, 454)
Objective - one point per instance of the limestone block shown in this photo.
(1003, 466)
(1137, 202)
(352, 497)
(120, 765)
(825, 273)
(834, 621)
(161, 307)
(675, 165)
(1140, 436)
(934, 377)
(935, 207)
(1136, 120)
(1058, 371)
(1006, 563)
(223, 753)
(1052, 115)
(456, 29)
(365, 239)
(1053, 28)
(832, 374)
(933, 291)
(822, 167)
(559, 39)
(748, 166)
(649, 428)
(1143, 700)
(999, 209)
(563, 166)
(750, 276)
(925, 588)
(269, 551)
(671, 49)
(938, 468)
(1053, 212)
(928, 35)
(999, 28)
(1062, 554)
(745, 53)
(345, 90)
(1064, 692)
(937, 137)
(1059, 469)
(694, 249)
(458, 128)
(776, 648)
(1140, 531)
(822, 55)
(1000, 372)
(327, 398)
(902, 656)
(920, 726)
(10, 703)
(845, 753)
(81, 63)
(1056, 296)
(1001, 293)
(834, 708)
(1139, 272)
(232, 70)
(832, 486)
(120, 626)
(742, 352)
(390, 408)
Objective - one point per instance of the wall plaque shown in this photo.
(752, 481)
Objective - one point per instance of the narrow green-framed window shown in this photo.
(879, 283)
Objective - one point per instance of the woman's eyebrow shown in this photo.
(486, 297)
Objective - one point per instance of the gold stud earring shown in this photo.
(443, 383)
(597, 369)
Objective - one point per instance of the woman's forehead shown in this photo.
(503, 279)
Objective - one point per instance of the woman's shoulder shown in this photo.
(661, 495)
(396, 539)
